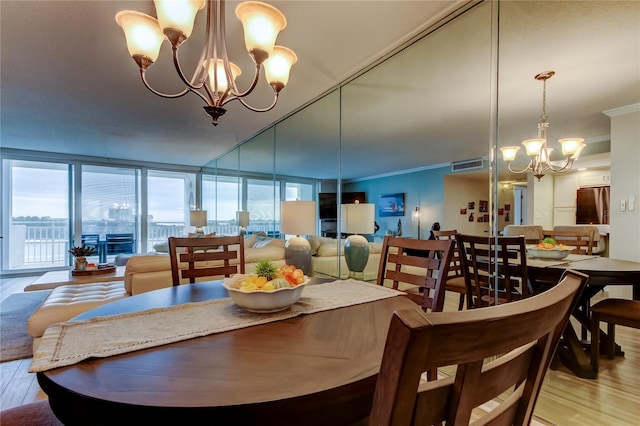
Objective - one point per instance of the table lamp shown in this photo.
(298, 218)
(198, 218)
(242, 217)
(357, 219)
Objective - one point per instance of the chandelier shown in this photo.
(210, 81)
(537, 150)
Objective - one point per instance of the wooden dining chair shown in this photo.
(579, 242)
(193, 258)
(614, 312)
(455, 279)
(419, 265)
(498, 351)
(485, 264)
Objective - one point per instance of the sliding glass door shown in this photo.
(35, 208)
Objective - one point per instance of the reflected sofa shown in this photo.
(327, 259)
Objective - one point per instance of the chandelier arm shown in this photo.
(243, 102)
(256, 76)
(564, 168)
(518, 171)
(162, 95)
(191, 87)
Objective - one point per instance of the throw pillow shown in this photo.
(161, 247)
(261, 242)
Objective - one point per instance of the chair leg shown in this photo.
(611, 340)
(595, 342)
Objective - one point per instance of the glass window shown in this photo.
(110, 209)
(221, 197)
(36, 204)
(170, 197)
(263, 205)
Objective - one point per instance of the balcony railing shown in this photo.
(45, 244)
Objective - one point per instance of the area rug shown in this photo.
(15, 310)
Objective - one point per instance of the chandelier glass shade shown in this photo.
(537, 150)
(210, 81)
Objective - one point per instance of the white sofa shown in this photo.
(153, 271)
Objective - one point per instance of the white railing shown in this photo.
(46, 243)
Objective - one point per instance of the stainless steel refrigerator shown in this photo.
(592, 206)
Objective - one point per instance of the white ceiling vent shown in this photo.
(460, 166)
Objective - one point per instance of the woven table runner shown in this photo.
(70, 342)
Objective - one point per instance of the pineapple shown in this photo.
(267, 269)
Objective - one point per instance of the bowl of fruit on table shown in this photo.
(548, 249)
(268, 288)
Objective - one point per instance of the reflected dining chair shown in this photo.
(579, 242)
(509, 352)
(455, 279)
(419, 265)
(199, 258)
(614, 312)
(485, 263)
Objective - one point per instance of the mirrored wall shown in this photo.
(385, 130)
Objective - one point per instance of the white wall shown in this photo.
(625, 182)
(624, 237)
(458, 191)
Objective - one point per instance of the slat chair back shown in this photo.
(581, 241)
(455, 278)
(194, 258)
(419, 264)
(522, 335)
(482, 261)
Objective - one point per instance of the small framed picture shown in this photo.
(500, 212)
(507, 207)
(484, 206)
(463, 210)
(391, 205)
(471, 205)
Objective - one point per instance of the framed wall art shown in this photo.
(391, 205)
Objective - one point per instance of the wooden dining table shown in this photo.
(312, 369)
(602, 271)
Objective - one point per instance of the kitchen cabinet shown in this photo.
(595, 178)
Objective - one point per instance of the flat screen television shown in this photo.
(328, 202)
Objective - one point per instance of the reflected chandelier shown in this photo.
(261, 23)
(537, 150)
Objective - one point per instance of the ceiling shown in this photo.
(69, 86)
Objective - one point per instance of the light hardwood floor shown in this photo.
(566, 400)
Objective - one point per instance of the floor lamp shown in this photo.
(198, 218)
(357, 219)
(242, 217)
(298, 218)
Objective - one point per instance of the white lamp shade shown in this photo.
(243, 218)
(142, 32)
(298, 217)
(358, 218)
(571, 145)
(533, 146)
(262, 23)
(198, 218)
(178, 14)
(278, 66)
(509, 153)
(218, 73)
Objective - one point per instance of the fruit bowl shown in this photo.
(554, 253)
(260, 301)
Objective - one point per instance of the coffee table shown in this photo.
(315, 369)
(55, 279)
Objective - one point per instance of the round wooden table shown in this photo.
(602, 271)
(308, 370)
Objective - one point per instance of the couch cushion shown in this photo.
(271, 251)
